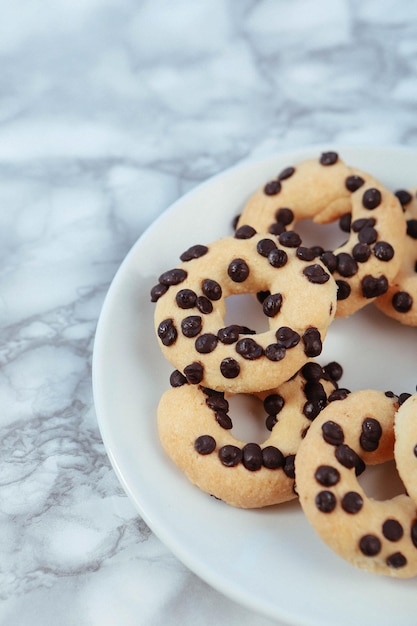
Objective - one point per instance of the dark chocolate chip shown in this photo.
(403, 397)
(289, 239)
(287, 337)
(211, 289)
(311, 409)
(361, 252)
(191, 326)
(316, 274)
(413, 533)
(275, 352)
(157, 291)
(396, 560)
(343, 289)
(363, 222)
(328, 158)
(333, 370)
(264, 246)
(289, 466)
(272, 304)
(346, 265)
(217, 402)
(383, 251)
(238, 270)
(370, 545)
(223, 420)
(205, 444)
(412, 228)
(284, 216)
(325, 501)
(327, 475)
(345, 222)
(368, 234)
(229, 368)
(229, 334)
(252, 457)
(333, 433)
(286, 173)
(277, 257)
(329, 260)
(206, 343)
(338, 394)
(194, 373)
(371, 198)
(354, 182)
(312, 342)
(305, 254)
(230, 455)
(273, 403)
(272, 188)
(276, 228)
(272, 457)
(249, 349)
(352, 502)
(314, 391)
(245, 232)
(186, 298)
(270, 422)
(373, 287)
(403, 196)
(349, 458)
(402, 301)
(167, 332)
(370, 435)
(195, 252)
(177, 379)
(173, 277)
(312, 371)
(204, 305)
(392, 530)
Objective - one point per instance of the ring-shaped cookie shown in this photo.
(405, 448)
(325, 190)
(195, 430)
(377, 536)
(191, 306)
(400, 301)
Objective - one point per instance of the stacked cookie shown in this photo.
(300, 291)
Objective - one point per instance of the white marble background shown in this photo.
(109, 111)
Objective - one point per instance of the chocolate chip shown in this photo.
(223, 420)
(392, 530)
(361, 252)
(195, 252)
(205, 444)
(325, 501)
(312, 371)
(173, 277)
(373, 287)
(343, 290)
(314, 391)
(404, 196)
(229, 368)
(312, 342)
(270, 422)
(346, 265)
(353, 183)
(245, 232)
(177, 379)
(383, 251)
(186, 298)
(217, 402)
(305, 254)
(338, 394)
(277, 257)
(273, 403)
(204, 344)
(286, 173)
(211, 289)
(370, 435)
(157, 291)
(275, 352)
(191, 326)
(311, 409)
(333, 433)
(264, 246)
(333, 370)
(272, 458)
(167, 332)
(272, 188)
(349, 458)
(316, 274)
(284, 216)
(370, 545)
(276, 228)
(252, 457)
(272, 305)
(286, 337)
(403, 397)
(363, 222)
(289, 239)
(371, 198)
(289, 466)
(229, 334)
(412, 228)
(396, 560)
(327, 475)
(368, 234)
(329, 260)
(402, 302)
(204, 305)
(249, 349)
(238, 270)
(413, 533)
(230, 455)
(329, 158)
(194, 373)
(352, 502)
(345, 222)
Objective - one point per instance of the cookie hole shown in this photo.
(248, 416)
(245, 310)
(381, 482)
(328, 236)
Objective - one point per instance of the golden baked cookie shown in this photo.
(325, 190)
(377, 536)
(195, 429)
(299, 302)
(405, 449)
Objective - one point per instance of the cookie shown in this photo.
(400, 300)
(405, 449)
(377, 536)
(298, 302)
(195, 429)
(326, 190)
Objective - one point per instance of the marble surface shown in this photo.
(109, 111)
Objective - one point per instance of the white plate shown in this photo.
(269, 560)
